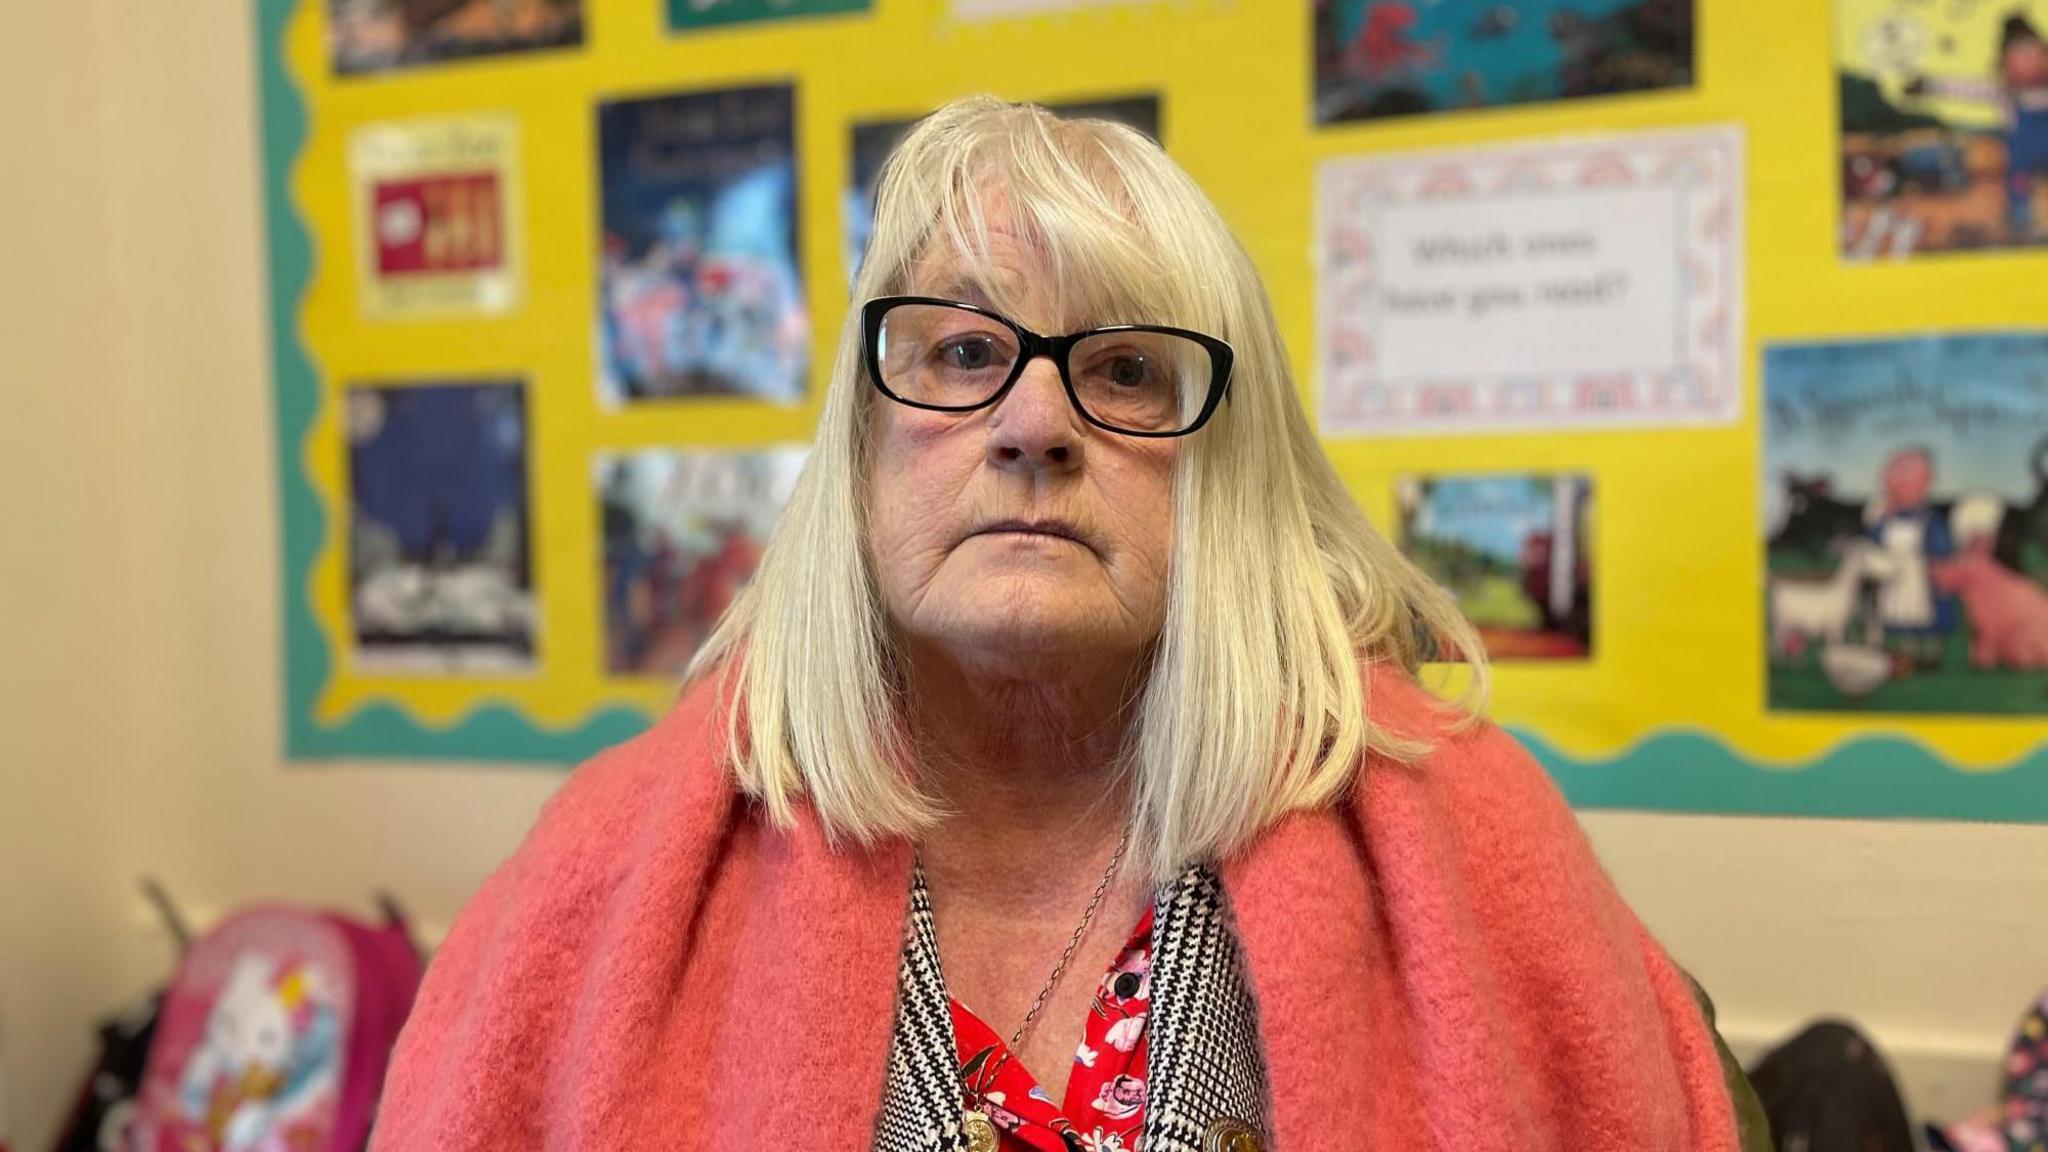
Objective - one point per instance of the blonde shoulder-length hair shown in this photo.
(1254, 702)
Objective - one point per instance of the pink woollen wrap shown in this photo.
(1437, 962)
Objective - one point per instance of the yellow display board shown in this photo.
(1671, 702)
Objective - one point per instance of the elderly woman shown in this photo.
(1062, 781)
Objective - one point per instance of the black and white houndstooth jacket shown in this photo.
(1204, 1061)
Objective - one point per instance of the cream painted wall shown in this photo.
(62, 558)
(143, 204)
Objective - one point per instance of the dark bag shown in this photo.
(1828, 1090)
(106, 1101)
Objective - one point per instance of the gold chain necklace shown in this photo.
(979, 1129)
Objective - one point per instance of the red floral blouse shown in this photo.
(1105, 1106)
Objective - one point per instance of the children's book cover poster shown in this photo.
(435, 206)
(872, 143)
(683, 532)
(1515, 551)
(365, 36)
(1379, 58)
(1906, 525)
(701, 292)
(1944, 125)
(440, 573)
(685, 15)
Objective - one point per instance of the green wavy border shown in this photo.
(1869, 777)
(1690, 771)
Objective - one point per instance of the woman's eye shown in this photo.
(969, 355)
(1127, 371)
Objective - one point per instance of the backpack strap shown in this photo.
(1750, 1119)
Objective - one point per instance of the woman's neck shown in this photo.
(1028, 773)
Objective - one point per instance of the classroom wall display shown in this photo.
(1377, 58)
(1515, 550)
(435, 205)
(1562, 285)
(872, 143)
(683, 531)
(1573, 354)
(381, 35)
(1944, 126)
(1906, 524)
(702, 294)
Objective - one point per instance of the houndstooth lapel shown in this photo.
(921, 1102)
(1205, 1070)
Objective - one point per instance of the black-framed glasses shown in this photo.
(1133, 379)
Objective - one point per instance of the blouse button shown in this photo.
(1227, 1134)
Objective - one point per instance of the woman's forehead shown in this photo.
(1007, 269)
(1020, 279)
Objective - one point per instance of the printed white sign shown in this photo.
(1572, 285)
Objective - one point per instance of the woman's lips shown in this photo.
(1042, 529)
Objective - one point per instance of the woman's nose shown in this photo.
(1035, 426)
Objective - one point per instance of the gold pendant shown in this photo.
(981, 1132)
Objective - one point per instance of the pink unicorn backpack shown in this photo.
(275, 1033)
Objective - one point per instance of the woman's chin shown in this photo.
(1026, 621)
(1027, 641)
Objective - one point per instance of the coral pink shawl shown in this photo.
(1438, 962)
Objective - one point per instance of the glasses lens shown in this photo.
(1141, 381)
(943, 356)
